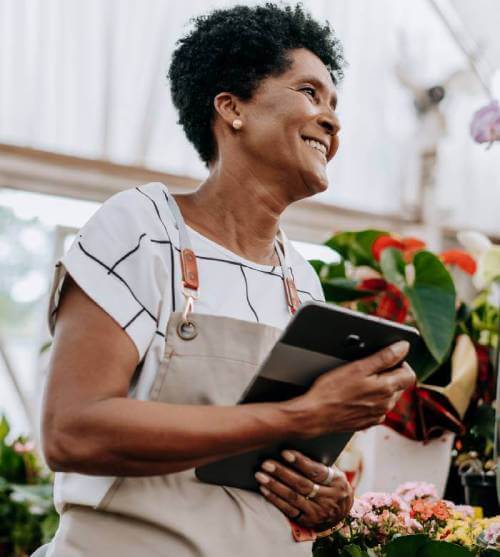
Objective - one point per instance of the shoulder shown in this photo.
(142, 207)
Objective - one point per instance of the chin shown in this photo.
(316, 184)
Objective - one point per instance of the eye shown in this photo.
(310, 91)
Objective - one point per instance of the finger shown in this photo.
(298, 482)
(285, 492)
(383, 359)
(399, 379)
(284, 506)
(315, 471)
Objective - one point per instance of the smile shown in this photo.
(316, 145)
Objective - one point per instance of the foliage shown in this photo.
(27, 516)
(396, 279)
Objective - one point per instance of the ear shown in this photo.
(227, 107)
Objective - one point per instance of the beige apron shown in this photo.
(207, 360)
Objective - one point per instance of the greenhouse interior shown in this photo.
(263, 346)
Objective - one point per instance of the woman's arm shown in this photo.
(90, 426)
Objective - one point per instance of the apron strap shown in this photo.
(189, 266)
(292, 297)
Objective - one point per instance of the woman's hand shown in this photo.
(288, 488)
(353, 396)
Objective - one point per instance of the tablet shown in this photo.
(319, 338)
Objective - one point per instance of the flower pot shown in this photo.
(480, 491)
(389, 459)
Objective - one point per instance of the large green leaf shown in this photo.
(356, 247)
(421, 546)
(432, 300)
(444, 549)
(409, 546)
(340, 290)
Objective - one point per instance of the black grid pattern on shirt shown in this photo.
(111, 269)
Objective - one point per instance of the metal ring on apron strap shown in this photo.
(187, 330)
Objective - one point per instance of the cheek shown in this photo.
(335, 145)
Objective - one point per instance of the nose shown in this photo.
(329, 121)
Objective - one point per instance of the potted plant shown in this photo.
(399, 279)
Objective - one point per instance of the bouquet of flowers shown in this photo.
(27, 517)
(411, 522)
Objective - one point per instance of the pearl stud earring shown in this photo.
(237, 124)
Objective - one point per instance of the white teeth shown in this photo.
(316, 145)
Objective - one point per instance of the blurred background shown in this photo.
(85, 112)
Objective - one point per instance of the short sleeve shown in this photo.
(113, 260)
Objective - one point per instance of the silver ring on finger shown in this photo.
(314, 492)
(332, 473)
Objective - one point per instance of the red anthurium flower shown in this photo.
(411, 246)
(393, 305)
(373, 284)
(391, 302)
(459, 258)
(384, 242)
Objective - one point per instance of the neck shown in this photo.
(240, 213)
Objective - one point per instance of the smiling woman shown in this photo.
(142, 388)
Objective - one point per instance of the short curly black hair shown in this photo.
(233, 50)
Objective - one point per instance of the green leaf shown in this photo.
(356, 247)
(407, 546)
(327, 271)
(420, 545)
(432, 301)
(4, 428)
(340, 290)
(490, 553)
(353, 550)
(393, 267)
(444, 549)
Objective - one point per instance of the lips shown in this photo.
(317, 145)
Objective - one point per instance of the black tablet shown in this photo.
(319, 338)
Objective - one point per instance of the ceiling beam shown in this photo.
(95, 180)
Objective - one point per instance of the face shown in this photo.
(290, 126)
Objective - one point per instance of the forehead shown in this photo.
(305, 63)
(306, 67)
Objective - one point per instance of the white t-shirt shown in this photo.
(126, 258)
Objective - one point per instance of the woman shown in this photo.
(141, 389)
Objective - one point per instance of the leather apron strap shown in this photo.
(190, 276)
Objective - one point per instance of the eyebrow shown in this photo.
(321, 85)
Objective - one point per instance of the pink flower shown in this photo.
(465, 510)
(411, 525)
(416, 490)
(492, 535)
(485, 125)
(21, 448)
(371, 518)
(378, 499)
(359, 508)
